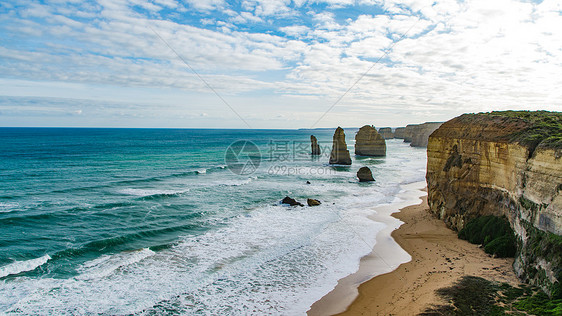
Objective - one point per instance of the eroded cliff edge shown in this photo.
(504, 164)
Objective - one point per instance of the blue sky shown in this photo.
(276, 63)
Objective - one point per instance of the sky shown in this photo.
(274, 63)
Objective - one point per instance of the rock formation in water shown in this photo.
(339, 154)
(421, 133)
(504, 164)
(315, 148)
(418, 134)
(313, 202)
(386, 132)
(399, 132)
(409, 132)
(368, 142)
(291, 201)
(364, 174)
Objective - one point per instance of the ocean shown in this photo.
(184, 221)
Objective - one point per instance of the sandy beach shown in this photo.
(439, 258)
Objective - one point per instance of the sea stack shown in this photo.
(314, 146)
(421, 133)
(399, 132)
(418, 134)
(339, 154)
(386, 132)
(409, 132)
(365, 175)
(368, 142)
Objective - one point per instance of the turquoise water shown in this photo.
(150, 221)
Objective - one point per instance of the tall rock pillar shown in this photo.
(339, 154)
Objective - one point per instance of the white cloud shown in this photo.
(268, 7)
(326, 21)
(206, 4)
(455, 56)
(295, 30)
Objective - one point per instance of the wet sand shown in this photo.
(439, 258)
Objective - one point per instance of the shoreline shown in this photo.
(439, 259)
(385, 256)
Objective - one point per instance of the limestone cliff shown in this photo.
(409, 132)
(504, 164)
(368, 142)
(386, 132)
(340, 154)
(420, 133)
(315, 148)
(399, 132)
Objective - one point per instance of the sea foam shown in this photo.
(249, 255)
(273, 260)
(18, 267)
(151, 192)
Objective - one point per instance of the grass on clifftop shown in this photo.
(545, 129)
(477, 296)
(492, 232)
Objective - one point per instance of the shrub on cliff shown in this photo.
(472, 295)
(547, 246)
(545, 128)
(492, 232)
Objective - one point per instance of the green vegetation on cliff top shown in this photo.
(545, 128)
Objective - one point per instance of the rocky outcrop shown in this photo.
(409, 132)
(368, 142)
(339, 154)
(399, 132)
(421, 132)
(504, 164)
(315, 148)
(365, 175)
(291, 201)
(417, 134)
(312, 202)
(386, 132)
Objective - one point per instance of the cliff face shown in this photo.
(399, 132)
(386, 132)
(368, 142)
(340, 154)
(409, 132)
(476, 167)
(417, 134)
(420, 133)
